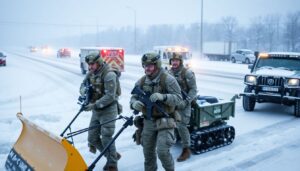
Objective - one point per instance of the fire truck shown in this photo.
(114, 56)
(166, 53)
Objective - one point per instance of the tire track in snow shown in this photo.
(247, 147)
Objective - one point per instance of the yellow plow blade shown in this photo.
(38, 149)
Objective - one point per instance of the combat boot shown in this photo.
(105, 167)
(185, 154)
(118, 156)
(112, 168)
(92, 149)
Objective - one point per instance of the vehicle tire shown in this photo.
(233, 60)
(247, 61)
(297, 109)
(248, 102)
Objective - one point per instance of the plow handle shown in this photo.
(69, 125)
(129, 122)
(72, 134)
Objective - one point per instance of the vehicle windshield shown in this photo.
(248, 52)
(185, 55)
(283, 63)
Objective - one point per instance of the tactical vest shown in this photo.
(159, 87)
(97, 82)
(182, 80)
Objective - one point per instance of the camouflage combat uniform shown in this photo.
(106, 108)
(187, 82)
(156, 141)
(188, 85)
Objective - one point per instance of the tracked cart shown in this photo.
(208, 127)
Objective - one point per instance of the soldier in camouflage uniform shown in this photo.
(187, 81)
(158, 131)
(104, 107)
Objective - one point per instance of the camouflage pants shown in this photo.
(157, 143)
(100, 137)
(183, 131)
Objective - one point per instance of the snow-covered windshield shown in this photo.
(283, 63)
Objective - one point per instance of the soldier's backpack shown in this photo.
(118, 92)
(118, 73)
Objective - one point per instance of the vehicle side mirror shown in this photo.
(250, 66)
(256, 53)
(79, 55)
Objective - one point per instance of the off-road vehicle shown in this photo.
(274, 78)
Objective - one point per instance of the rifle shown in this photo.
(144, 97)
(184, 95)
(83, 100)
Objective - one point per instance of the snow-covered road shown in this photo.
(267, 139)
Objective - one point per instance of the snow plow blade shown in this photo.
(38, 149)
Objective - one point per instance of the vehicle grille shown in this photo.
(270, 81)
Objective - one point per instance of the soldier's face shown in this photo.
(150, 69)
(175, 63)
(93, 67)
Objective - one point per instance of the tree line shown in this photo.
(267, 33)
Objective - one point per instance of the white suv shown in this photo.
(243, 55)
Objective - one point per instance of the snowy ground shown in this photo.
(267, 139)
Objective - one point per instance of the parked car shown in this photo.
(63, 52)
(2, 59)
(243, 55)
(274, 78)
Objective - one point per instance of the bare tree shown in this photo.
(256, 33)
(271, 29)
(230, 25)
(292, 32)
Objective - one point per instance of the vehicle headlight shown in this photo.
(293, 82)
(250, 79)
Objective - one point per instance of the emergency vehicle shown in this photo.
(111, 55)
(63, 52)
(166, 53)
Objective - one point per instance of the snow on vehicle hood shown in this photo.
(277, 72)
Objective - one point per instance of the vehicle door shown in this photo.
(239, 55)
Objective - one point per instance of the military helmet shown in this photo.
(151, 58)
(93, 58)
(176, 55)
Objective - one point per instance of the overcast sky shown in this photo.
(42, 14)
